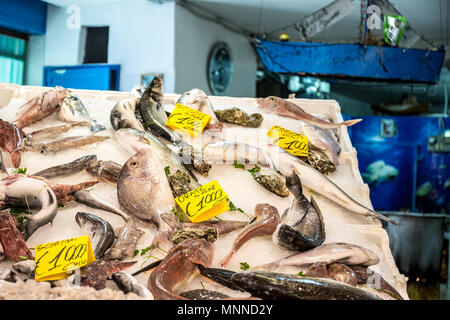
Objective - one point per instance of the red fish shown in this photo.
(286, 108)
(11, 238)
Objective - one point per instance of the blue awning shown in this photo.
(352, 61)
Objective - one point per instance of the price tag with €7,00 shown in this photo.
(54, 260)
(294, 143)
(187, 120)
(204, 203)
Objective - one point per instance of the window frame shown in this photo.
(23, 57)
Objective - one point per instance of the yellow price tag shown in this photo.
(204, 203)
(53, 260)
(294, 143)
(187, 120)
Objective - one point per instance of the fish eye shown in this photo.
(272, 99)
(134, 164)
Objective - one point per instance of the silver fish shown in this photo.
(66, 143)
(127, 283)
(285, 163)
(34, 193)
(123, 115)
(51, 132)
(86, 198)
(301, 227)
(73, 110)
(101, 233)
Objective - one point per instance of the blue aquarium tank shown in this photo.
(405, 161)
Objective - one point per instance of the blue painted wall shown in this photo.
(24, 16)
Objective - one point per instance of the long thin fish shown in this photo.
(86, 198)
(319, 183)
(51, 132)
(288, 109)
(66, 169)
(66, 143)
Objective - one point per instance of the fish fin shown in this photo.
(319, 213)
(294, 184)
(349, 123)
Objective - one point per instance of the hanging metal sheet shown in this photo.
(352, 61)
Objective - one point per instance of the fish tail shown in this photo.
(95, 127)
(349, 123)
(225, 260)
(294, 184)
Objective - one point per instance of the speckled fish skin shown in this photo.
(35, 193)
(11, 238)
(153, 114)
(66, 143)
(101, 233)
(319, 183)
(265, 223)
(286, 108)
(197, 99)
(203, 294)
(40, 107)
(106, 171)
(51, 132)
(123, 115)
(301, 228)
(276, 286)
(335, 252)
(239, 117)
(73, 110)
(179, 265)
(11, 140)
(66, 169)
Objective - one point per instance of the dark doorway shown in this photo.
(96, 46)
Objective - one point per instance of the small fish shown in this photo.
(335, 252)
(424, 190)
(265, 222)
(66, 143)
(31, 192)
(86, 198)
(126, 242)
(51, 132)
(197, 99)
(152, 111)
(11, 140)
(106, 171)
(95, 274)
(180, 263)
(26, 266)
(73, 110)
(40, 107)
(11, 238)
(270, 180)
(101, 233)
(66, 169)
(277, 286)
(203, 294)
(378, 172)
(127, 283)
(319, 183)
(321, 140)
(289, 109)
(301, 228)
(123, 115)
(227, 152)
(239, 117)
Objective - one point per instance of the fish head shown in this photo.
(270, 103)
(194, 98)
(142, 165)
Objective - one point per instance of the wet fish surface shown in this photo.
(126, 242)
(86, 198)
(106, 171)
(66, 143)
(203, 294)
(287, 108)
(50, 132)
(95, 274)
(265, 222)
(11, 140)
(123, 115)
(277, 286)
(127, 283)
(301, 228)
(73, 110)
(40, 107)
(101, 233)
(66, 169)
(24, 191)
(239, 117)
